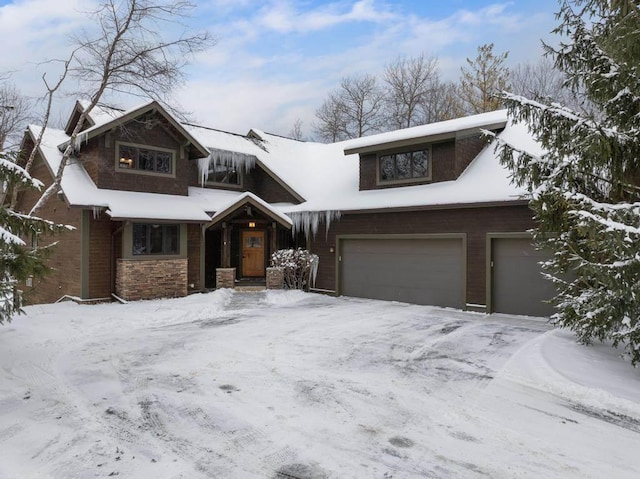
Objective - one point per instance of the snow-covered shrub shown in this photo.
(299, 267)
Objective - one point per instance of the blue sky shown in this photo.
(276, 60)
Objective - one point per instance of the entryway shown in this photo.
(253, 253)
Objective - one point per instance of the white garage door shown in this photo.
(416, 270)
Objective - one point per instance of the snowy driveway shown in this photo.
(293, 385)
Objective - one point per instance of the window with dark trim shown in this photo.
(407, 166)
(141, 158)
(223, 174)
(150, 239)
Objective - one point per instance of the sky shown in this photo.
(275, 61)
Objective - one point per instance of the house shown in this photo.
(162, 208)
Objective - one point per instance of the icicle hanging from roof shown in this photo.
(308, 222)
(80, 138)
(224, 157)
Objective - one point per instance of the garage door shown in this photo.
(421, 271)
(517, 285)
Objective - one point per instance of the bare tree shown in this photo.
(296, 130)
(351, 111)
(410, 85)
(482, 79)
(332, 124)
(442, 103)
(542, 81)
(363, 102)
(131, 53)
(14, 114)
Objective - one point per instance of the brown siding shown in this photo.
(193, 254)
(65, 260)
(448, 160)
(467, 149)
(101, 267)
(99, 156)
(263, 185)
(256, 181)
(474, 222)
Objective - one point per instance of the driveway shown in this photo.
(293, 385)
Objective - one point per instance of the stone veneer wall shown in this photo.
(151, 278)
(225, 277)
(275, 278)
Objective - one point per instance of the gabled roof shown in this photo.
(80, 191)
(102, 123)
(248, 198)
(251, 144)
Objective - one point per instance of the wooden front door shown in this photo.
(253, 253)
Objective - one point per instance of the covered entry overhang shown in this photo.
(242, 236)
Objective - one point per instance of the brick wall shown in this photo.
(474, 222)
(151, 278)
(65, 260)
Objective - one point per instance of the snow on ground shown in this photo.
(294, 385)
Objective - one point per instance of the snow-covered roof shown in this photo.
(432, 131)
(81, 191)
(321, 176)
(248, 197)
(329, 179)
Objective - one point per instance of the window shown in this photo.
(225, 174)
(408, 166)
(144, 158)
(156, 239)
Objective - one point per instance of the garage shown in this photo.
(517, 287)
(426, 270)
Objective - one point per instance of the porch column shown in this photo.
(274, 239)
(226, 245)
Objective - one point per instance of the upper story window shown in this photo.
(152, 239)
(145, 159)
(223, 174)
(404, 167)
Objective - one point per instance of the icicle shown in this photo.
(203, 169)
(315, 261)
(307, 222)
(81, 138)
(96, 211)
(227, 158)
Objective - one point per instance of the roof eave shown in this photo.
(231, 209)
(153, 105)
(429, 138)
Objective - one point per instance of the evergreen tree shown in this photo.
(585, 187)
(483, 79)
(18, 261)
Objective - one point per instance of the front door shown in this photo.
(252, 253)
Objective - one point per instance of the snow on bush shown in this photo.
(299, 267)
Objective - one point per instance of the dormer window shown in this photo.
(145, 159)
(404, 167)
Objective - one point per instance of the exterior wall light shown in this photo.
(252, 224)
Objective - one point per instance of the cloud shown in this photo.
(283, 16)
(268, 105)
